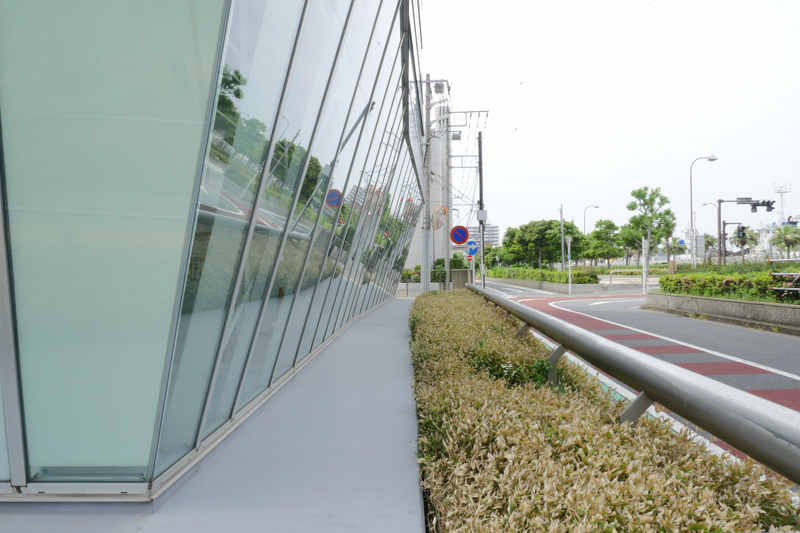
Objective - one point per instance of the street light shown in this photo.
(712, 158)
(719, 233)
(584, 216)
(568, 238)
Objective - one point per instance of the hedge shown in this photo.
(552, 276)
(753, 286)
(501, 451)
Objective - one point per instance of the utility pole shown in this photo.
(481, 211)
(427, 230)
(447, 244)
(561, 211)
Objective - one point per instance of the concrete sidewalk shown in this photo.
(332, 451)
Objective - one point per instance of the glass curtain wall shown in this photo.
(195, 202)
(104, 113)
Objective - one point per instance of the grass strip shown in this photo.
(502, 451)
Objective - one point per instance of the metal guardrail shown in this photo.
(766, 431)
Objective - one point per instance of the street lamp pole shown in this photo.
(568, 238)
(584, 216)
(712, 158)
(719, 234)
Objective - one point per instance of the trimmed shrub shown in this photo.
(534, 274)
(501, 451)
(752, 286)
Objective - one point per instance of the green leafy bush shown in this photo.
(534, 274)
(751, 286)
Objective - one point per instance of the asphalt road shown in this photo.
(763, 363)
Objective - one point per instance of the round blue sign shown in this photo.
(681, 242)
(472, 248)
(459, 234)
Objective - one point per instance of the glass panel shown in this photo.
(259, 47)
(358, 184)
(104, 111)
(5, 471)
(344, 84)
(360, 196)
(312, 70)
(383, 210)
(363, 126)
(312, 195)
(385, 166)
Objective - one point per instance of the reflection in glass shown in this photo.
(333, 129)
(369, 188)
(312, 70)
(259, 47)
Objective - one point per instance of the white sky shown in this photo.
(685, 79)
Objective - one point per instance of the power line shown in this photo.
(571, 78)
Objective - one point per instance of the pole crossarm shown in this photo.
(766, 431)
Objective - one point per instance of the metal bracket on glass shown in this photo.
(636, 409)
(552, 374)
(523, 330)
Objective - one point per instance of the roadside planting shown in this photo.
(500, 450)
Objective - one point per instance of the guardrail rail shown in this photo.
(766, 431)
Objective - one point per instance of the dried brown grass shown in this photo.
(496, 457)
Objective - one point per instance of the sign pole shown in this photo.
(480, 205)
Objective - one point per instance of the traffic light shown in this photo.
(762, 203)
(741, 232)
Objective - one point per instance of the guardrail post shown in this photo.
(636, 409)
(552, 374)
(523, 330)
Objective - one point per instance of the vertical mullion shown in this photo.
(352, 211)
(300, 179)
(358, 186)
(341, 203)
(352, 300)
(188, 241)
(388, 226)
(9, 370)
(385, 268)
(347, 179)
(363, 231)
(251, 228)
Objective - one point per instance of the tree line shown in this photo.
(538, 243)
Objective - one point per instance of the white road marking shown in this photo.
(619, 300)
(531, 299)
(712, 352)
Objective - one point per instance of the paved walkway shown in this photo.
(331, 451)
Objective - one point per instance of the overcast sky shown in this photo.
(597, 116)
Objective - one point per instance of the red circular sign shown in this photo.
(469, 258)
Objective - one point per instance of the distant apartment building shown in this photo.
(491, 234)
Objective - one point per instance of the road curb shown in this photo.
(779, 318)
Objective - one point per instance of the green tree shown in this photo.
(750, 240)
(676, 248)
(630, 238)
(785, 237)
(231, 87)
(711, 244)
(653, 219)
(604, 242)
(512, 252)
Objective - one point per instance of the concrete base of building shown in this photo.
(780, 318)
